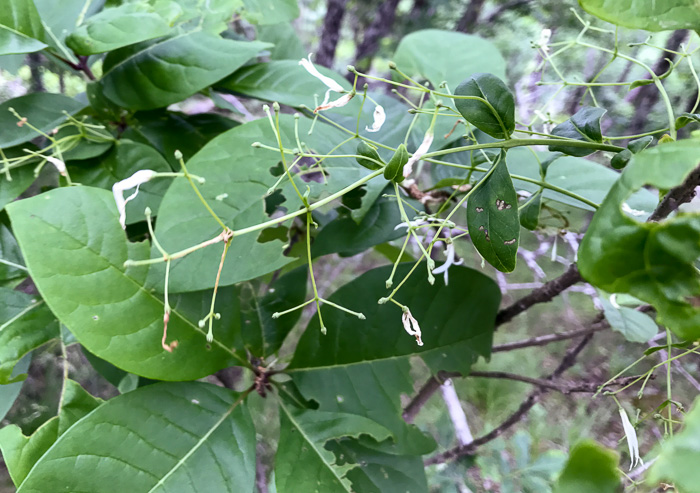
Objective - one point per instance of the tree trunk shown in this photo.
(468, 21)
(35, 60)
(375, 32)
(506, 7)
(331, 32)
(647, 96)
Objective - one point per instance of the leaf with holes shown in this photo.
(79, 270)
(168, 437)
(303, 436)
(492, 218)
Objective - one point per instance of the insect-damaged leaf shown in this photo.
(492, 218)
(498, 119)
(584, 126)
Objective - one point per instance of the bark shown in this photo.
(331, 32)
(647, 96)
(35, 60)
(468, 21)
(379, 28)
(506, 7)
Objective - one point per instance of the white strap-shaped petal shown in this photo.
(118, 189)
(450, 253)
(379, 119)
(327, 81)
(60, 165)
(341, 101)
(411, 326)
(632, 442)
(422, 149)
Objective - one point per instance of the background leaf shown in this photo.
(590, 468)
(634, 325)
(585, 126)
(651, 15)
(155, 74)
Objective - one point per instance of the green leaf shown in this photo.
(679, 456)
(439, 56)
(10, 391)
(20, 28)
(379, 472)
(651, 261)
(43, 110)
(492, 218)
(120, 26)
(174, 437)
(239, 175)
(27, 324)
(284, 81)
(650, 15)
(457, 325)
(262, 334)
(584, 126)
(155, 74)
(303, 435)
(634, 325)
(288, 46)
(393, 171)
(124, 160)
(347, 238)
(168, 131)
(638, 145)
(79, 270)
(498, 119)
(374, 162)
(591, 468)
(686, 118)
(266, 12)
(76, 403)
(20, 453)
(621, 159)
(9, 251)
(530, 212)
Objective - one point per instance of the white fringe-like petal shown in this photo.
(632, 442)
(422, 149)
(342, 101)
(120, 187)
(411, 326)
(379, 119)
(450, 252)
(60, 165)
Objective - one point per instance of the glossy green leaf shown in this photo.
(79, 270)
(288, 46)
(120, 26)
(76, 403)
(303, 436)
(634, 325)
(43, 110)
(651, 15)
(585, 126)
(373, 161)
(685, 118)
(439, 56)
(20, 28)
(26, 324)
(457, 326)
(347, 238)
(651, 261)
(10, 391)
(393, 171)
(266, 12)
(155, 74)
(679, 456)
(61, 18)
(10, 253)
(621, 159)
(262, 334)
(498, 119)
(188, 437)
(284, 81)
(120, 163)
(492, 218)
(591, 468)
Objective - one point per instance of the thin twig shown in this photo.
(676, 196)
(566, 363)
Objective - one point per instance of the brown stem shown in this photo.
(676, 196)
